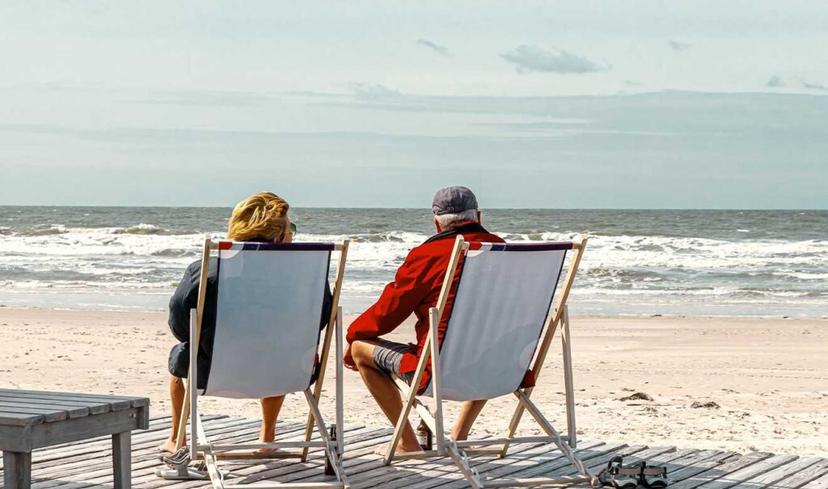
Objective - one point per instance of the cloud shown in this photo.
(775, 81)
(814, 86)
(533, 58)
(373, 91)
(678, 45)
(438, 48)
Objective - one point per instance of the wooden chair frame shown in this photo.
(459, 451)
(199, 445)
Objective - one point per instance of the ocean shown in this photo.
(637, 262)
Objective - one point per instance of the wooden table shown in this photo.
(36, 419)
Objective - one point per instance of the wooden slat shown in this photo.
(782, 477)
(116, 402)
(806, 476)
(720, 471)
(819, 483)
(94, 408)
(20, 419)
(144, 471)
(100, 469)
(751, 471)
(691, 469)
(49, 415)
(51, 411)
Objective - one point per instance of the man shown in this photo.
(415, 289)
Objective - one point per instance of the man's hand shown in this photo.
(348, 360)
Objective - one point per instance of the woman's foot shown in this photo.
(168, 446)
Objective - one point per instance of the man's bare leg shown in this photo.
(176, 402)
(468, 413)
(384, 391)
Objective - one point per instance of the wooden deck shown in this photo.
(88, 464)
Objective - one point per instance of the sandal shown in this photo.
(652, 477)
(618, 476)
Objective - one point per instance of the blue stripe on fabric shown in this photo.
(545, 246)
(249, 246)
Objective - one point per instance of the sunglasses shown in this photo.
(293, 229)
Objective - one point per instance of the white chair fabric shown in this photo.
(269, 306)
(503, 297)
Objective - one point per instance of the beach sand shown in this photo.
(768, 377)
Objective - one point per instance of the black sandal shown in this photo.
(618, 476)
(653, 477)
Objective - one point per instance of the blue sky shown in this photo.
(534, 104)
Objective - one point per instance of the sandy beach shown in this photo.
(756, 384)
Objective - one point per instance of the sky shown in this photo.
(556, 104)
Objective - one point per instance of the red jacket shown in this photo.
(415, 288)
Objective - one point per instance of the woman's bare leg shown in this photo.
(176, 402)
(270, 411)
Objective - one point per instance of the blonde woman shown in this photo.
(262, 217)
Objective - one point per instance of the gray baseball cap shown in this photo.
(453, 200)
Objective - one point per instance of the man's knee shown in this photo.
(363, 354)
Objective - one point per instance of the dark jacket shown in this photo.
(183, 300)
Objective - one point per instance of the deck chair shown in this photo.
(505, 312)
(268, 311)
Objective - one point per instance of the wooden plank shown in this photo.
(49, 415)
(20, 419)
(699, 466)
(101, 466)
(144, 469)
(52, 413)
(374, 464)
(536, 455)
(783, 477)
(49, 454)
(96, 448)
(820, 482)
(144, 472)
(720, 471)
(746, 473)
(46, 434)
(115, 402)
(94, 408)
(805, 476)
(75, 395)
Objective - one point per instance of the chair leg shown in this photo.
(462, 462)
(330, 446)
(551, 431)
(566, 344)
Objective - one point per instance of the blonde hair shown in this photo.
(260, 217)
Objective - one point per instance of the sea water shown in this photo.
(638, 262)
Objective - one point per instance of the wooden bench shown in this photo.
(36, 419)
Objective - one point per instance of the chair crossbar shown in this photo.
(538, 481)
(257, 446)
(502, 440)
